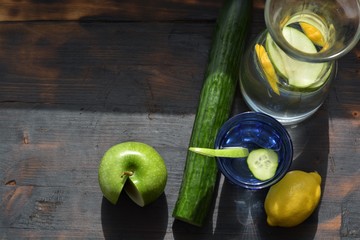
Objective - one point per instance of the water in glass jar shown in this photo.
(280, 85)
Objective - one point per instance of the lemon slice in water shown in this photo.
(313, 34)
(267, 67)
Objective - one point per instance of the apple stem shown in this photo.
(127, 173)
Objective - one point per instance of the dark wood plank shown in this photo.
(126, 67)
(71, 89)
(109, 10)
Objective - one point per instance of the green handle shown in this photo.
(230, 152)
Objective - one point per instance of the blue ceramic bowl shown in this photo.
(253, 130)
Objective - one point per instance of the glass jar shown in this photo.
(287, 70)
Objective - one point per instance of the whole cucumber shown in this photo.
(201, 172)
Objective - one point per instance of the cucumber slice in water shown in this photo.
(298, 73)
(263, 163)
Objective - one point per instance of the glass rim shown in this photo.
(323, 56)
(264, 118)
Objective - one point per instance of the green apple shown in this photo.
(135, 167)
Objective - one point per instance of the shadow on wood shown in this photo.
(126, 220)
(95, 66)
(241, 212)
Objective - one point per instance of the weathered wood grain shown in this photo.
(131, 67)
(109, 10)
(108, 71)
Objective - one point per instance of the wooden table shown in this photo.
(79, 76)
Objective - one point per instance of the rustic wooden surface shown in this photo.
(77, 77)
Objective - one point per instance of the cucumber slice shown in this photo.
(263, 163)
(298, 73)
(229, 152)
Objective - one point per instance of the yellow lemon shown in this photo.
(293, 199)
(267, 67)
(313, 34)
